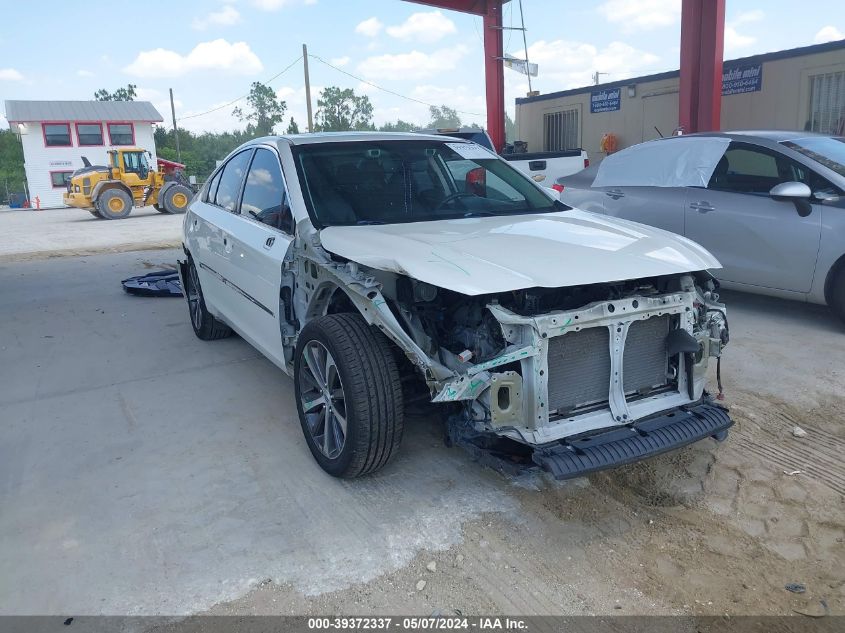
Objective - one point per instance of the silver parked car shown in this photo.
(769, 205)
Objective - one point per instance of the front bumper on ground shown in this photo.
(576, 456)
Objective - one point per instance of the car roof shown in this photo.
(345, 137)
(776, 136)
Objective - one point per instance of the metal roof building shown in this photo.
(26, 111)
(55, 135)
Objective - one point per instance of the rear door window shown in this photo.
(231, 179)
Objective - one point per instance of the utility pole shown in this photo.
(525, 45)
(596, 76)
(175, 129)
(307, 88)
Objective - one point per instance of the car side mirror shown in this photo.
(789, 191)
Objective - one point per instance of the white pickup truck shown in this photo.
(542, 167)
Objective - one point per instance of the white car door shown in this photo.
(259, 241)
(759, 241)
(209, 228)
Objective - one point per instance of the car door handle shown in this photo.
(702, 207)
(227, 244)
(268, 243)
(615, 194)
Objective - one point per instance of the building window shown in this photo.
(59, 179)
(121, 134)
(57, 135)
(560, 130)
(89, 133)
(827, 104)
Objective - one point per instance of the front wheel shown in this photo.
(114, 204)
(837, 295)
(348, 395)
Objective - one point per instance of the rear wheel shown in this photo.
(206, 326)
(348, 395)
(176, 199)
(837, 294)
(114, 204)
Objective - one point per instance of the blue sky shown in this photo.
(209, 51)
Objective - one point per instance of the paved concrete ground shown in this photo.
(144, 471)
(29, 234)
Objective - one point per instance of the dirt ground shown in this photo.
(709, 530)
(712, 529)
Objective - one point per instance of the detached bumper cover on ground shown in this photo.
(574, 457)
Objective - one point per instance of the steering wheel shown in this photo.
(452, 197)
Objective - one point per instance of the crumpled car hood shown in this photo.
(477, 256)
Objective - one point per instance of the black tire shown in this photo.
(95, 213)
(159, 209)
(836, 294)
(114, 204)
(371, 395)
(176, 199)
(206, 326)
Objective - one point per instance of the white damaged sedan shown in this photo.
(383, 269)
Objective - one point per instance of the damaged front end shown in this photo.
(572, 379)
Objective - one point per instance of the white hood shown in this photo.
(477, 256)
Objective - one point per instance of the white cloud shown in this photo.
(828, 33)
(413, 65)
(84, 73)
(226, 16)
(369, 27)
(733, 38)
(424, 27)
(570, 64)
(215, 55)
(269, 5)
(340, 61)
(10, 74)
(641, 14)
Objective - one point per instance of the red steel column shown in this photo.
(494, 73)
(710, 75)
(702, 48)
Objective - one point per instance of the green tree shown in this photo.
(444, 116)
(264, 110)
(510, 129)
(121, 94)
(293, 128)
(341, 110)
(12, 175)
(399, 126)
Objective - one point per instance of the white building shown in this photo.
(56, 135)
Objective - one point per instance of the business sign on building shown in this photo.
(741, 79)
(606, 100)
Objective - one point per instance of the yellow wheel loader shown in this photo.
(112, 191)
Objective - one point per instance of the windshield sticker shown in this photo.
(470, 151)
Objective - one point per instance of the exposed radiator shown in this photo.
(646, 359)
(579, 364)
(579, 369)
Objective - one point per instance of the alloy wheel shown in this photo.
(323, 400)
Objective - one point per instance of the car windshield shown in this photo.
(827, 150)
(390, 182)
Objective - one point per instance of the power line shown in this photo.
(377, 87)
(234, 101)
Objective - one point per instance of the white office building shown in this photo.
(56, 135)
